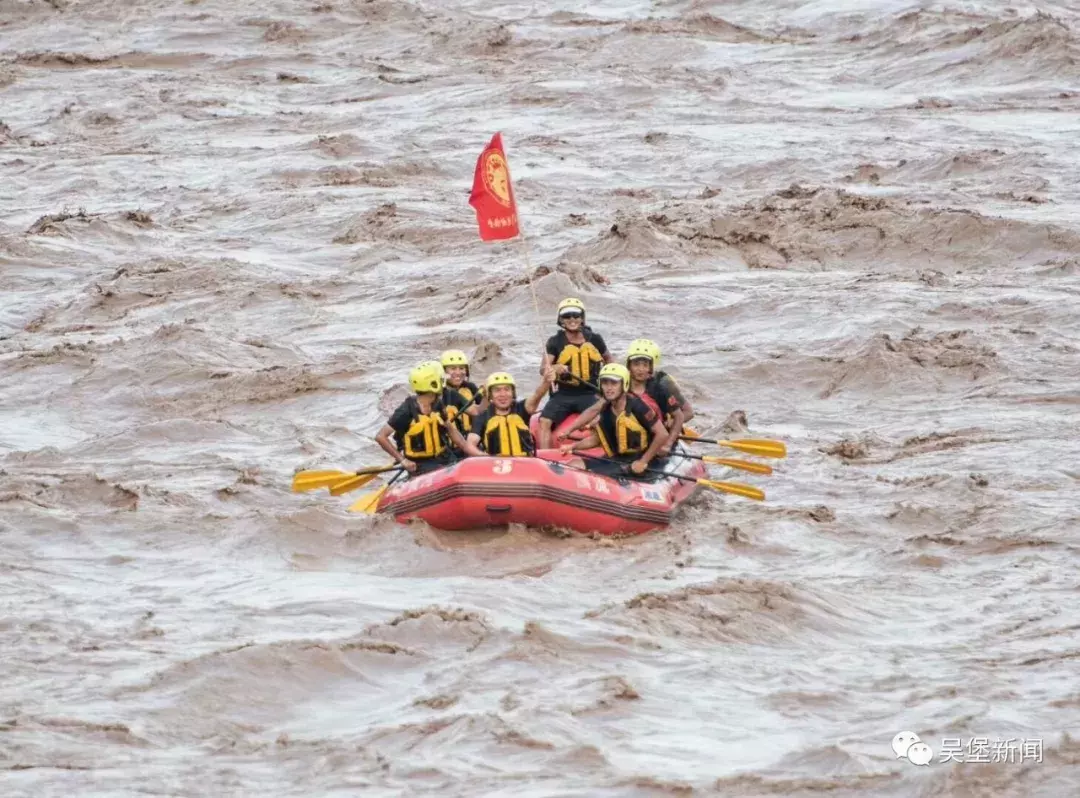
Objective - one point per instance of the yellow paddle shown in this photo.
(370, 503)
(352, 483)
(313, 480)
(742, 465)
(737, 488)
(746, 491)
(762, 448)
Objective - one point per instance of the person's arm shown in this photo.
(478, 404)
(468, 408)
(455, 434)
(585, 419)
(549, 356)
(599, 343)
(551, 353)
(470, 448)
(660, 436)
(589, 442)
(383, 439)
(458, 405)
(675, 430)
(652, 421)
(533, 401)
(673, 392)
(687, 412)
(558, 368)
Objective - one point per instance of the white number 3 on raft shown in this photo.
(502, 466)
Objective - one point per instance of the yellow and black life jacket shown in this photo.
(583, 360)
(467, 391)
(505, 436)
(664, 391)
(649, 397)
(425, 437)
(629, 433)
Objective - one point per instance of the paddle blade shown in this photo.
(369, 503)
(746, 491)
(690, 433)
(761, 448)
(742, 465)
(352, 483)
(313, 480)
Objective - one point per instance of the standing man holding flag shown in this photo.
(575, 353)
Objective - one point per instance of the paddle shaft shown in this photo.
(478, 396)
(710, 440)
(586, 383)
(391, 481)
(760, 448)
(647, 470)
(369, 504)
(401, 471)
(360, 472)
(744, 465)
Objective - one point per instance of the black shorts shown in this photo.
(563, 404)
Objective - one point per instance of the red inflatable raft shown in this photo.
(478, 492)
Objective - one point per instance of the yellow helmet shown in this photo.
(615, 371)
(570, 304)
(643, 347)
(427, 377)
(500, 378)
(435, 364)
(454, 357)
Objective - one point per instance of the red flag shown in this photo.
(492, 195)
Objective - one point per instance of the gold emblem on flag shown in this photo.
(497, 177)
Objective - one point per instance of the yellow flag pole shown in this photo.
(532, 289)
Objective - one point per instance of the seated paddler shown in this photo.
(654, 387)
(630, 432)
(456, 365)
(503, 429)
(421, 428)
